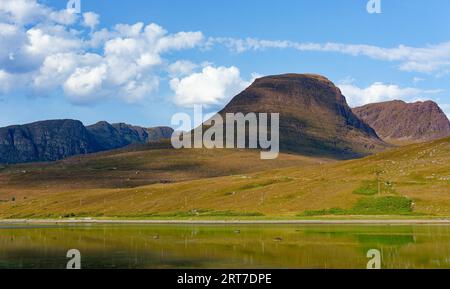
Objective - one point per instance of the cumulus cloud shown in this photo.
(23, 12)
(48, 40)
(6, 80)
(91, 20)
(51, 50)
(127, 67)
(85, 82)
(426, 59)
(64, 17)
(378, 92)
(57, 68)
(211, 86)
(182, 68)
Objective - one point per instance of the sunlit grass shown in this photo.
(414, 182)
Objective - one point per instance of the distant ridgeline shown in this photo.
(400, 122)
(314, 120)
(57, 139)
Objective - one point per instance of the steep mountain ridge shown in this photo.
(53, 140)
(397, 121)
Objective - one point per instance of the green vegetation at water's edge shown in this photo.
(384, 205)
(390, 205)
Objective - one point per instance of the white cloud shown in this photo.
(57, 68)
(182, 68)
(6, 81)
(421, 59)
(378, 92)
(211, 86)
(49, 40)
(21, 11)
(91, 20)
(138, 90)
(50, 50)
(63, 17)
(178, 41)
(131, 55)
(12, 55)
(85, 82)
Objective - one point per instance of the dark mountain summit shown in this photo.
(397, 121)
(44, 141)
(57, 139)
(117, 135)
(314, 116)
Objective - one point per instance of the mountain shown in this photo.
(44, 141)
(57, 139)
(315, 118)
(399, 122)
(112, 136)
(155, 134)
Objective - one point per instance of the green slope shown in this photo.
(414, 181)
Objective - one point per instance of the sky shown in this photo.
(140, 61)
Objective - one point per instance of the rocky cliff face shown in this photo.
(57, 139)
(314, 116)
(397, 121)
(112, 136)
(44, 141)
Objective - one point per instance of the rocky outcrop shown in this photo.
(44, 141)
(400, 122)
(57, 139)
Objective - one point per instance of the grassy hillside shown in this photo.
(407, 181)
(129, 168)
(138, 166)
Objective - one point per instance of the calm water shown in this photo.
(194, 246)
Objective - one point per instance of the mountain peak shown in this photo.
(293, 77)
(398, 121)
(314, 115)
(296, 76)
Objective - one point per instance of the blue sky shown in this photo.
(142, 61)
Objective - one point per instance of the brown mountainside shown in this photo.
(314, 116)
(397, 121)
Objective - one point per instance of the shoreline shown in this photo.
(228, 222)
